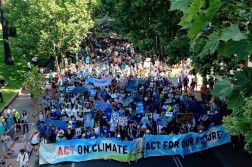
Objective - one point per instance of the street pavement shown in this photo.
(222, 156)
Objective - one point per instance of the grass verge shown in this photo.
(13, 74)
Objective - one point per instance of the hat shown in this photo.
(148, 131)
(42, 122)
(13, 110)
(69, 127)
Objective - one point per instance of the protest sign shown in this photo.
(163, 120)
(79, 89)
(123, 121)
(157, 63)
(127, 100)
(184, 117)
(139, 107)
(159, 145)
(107, 115)
(101, 105)
(124, 151)
(102, 82)
(168, 114)
(83, 150)
(131, 85)
(56, 123)
(88, 116)
(114, 117)
(69, 89)
(90, 80)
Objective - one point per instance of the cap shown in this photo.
(69, 127)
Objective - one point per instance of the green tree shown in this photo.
(33, 83)
(241, 123)
(149, 24)
(7, 53)
(223, 26)
(221, 29)
(50, 28)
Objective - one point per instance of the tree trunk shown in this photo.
(7, 53)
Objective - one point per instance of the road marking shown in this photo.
(175, 161)
(23, 98)
(179, 161)
(73, 164)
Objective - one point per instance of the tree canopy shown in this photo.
(221, 32)
(47, 27)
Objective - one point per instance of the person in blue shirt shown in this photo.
(92, 134)
(53, 115)
(87, 59)
(42, 128)
(60, 137)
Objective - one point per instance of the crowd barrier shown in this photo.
(124, 151)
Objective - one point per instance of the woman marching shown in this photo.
(35, 141)
(5, 145)
(25, 121)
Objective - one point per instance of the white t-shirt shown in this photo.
(23, 159)
(34, 139)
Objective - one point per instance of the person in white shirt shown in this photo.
(35, 141)
(23, 158)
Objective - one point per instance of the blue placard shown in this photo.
(102, 82)
(127, 100)
(87, 117)
(139, 107)
(131, 85)
(101, 105)
(56, 123)
(90, 80)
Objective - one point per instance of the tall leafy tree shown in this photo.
(7, 53)
(50, 27)
(149, 24)
(222, 29)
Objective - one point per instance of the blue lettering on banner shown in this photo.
(152, 145)
(156, 145)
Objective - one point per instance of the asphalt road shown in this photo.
(223, 156)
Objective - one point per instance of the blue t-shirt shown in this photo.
(87, 59)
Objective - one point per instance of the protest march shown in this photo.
(111, 101)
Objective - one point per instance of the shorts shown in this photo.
(34, 144)
(5, 146)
